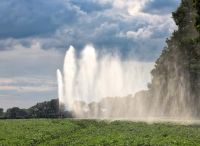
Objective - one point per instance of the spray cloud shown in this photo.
(88, 81)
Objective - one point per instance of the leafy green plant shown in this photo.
(65, 132)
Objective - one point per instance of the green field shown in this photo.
(90, 132)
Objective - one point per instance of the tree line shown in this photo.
(47, 109)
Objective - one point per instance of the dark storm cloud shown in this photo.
(25, 18)
(61, 23)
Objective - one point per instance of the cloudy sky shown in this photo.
(34, 35)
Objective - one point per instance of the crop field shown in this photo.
(61, 132)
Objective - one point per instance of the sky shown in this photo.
(35, 34)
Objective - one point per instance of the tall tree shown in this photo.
(175, 87)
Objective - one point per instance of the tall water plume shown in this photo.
(91, 84)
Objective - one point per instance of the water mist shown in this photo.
(94, 86)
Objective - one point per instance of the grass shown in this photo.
(64, 132)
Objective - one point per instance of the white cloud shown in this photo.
(18, 63)
(34, 52)
(141, 33)
(34, 59)
(27, 84)
(133, 7)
